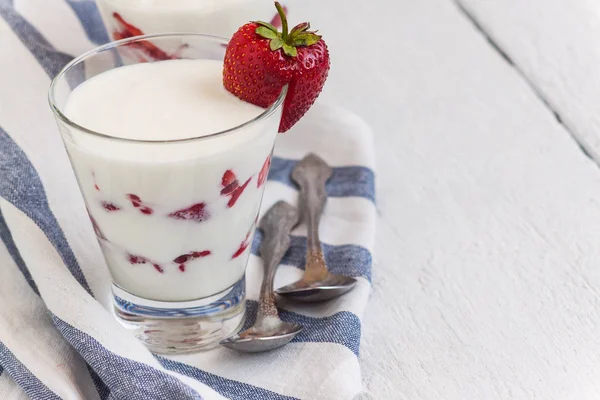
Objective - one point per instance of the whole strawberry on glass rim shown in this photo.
(260, 61)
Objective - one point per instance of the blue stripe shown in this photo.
(1, 370)
(21, 186)
(355, 181)
(49, 58)
(127, 379)
(27, 381)
(88, 14)
(7, 238)
(101, 388)
(342, 328)
(349, 260)
(231, 389)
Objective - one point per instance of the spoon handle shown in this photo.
(311, 174)
(267, 307)
(276, 224)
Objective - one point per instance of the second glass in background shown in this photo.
(126, 18)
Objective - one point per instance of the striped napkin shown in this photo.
(58, 338)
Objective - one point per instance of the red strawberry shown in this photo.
(259, 61)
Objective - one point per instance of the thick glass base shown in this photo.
(182, 327)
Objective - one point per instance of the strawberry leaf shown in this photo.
(305, 39)
(266, 25)
(276, 44)
(289, 50)
(266, 32)
(301, 27)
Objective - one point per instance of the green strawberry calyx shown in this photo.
(288, 41)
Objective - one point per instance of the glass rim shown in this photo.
(119, 43)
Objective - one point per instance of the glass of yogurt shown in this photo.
(172, 169)
(125, 18)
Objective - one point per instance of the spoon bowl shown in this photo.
(308, 292)
(269, 331)
(258, 339)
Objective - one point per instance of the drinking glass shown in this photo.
(174, 218)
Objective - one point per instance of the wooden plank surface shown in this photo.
(554, 44)
(486, 283)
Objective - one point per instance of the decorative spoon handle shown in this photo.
(276, 224)
(311, 174)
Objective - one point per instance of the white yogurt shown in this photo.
(140, 194)
(216, 17)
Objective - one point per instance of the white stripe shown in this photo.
(345, 220)
(28, 332)
(57, 22)
(354, 301)
(69, 301)
(317, 369)
(26, 116)
(344, 138)
(9, 390)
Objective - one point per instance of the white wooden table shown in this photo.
(487, 122)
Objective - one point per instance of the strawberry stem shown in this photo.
(284, 23)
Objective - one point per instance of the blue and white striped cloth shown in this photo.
(58, 338)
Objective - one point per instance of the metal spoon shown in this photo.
(317, 283)
(269, 331)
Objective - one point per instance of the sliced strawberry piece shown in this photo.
(245, 243)
(95, 183)
(128, 30)
(196, 212)
(137, 202)
(231, 187)
(240, 250)
(110, 206)
(158, 268)
(228, 178)
(237, 193)
(133, 260)
(146, 210)
(182, 259)
(264, 172)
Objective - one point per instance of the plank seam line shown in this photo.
(580, 143)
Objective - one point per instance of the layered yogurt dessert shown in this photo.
(125, 18)
(175, 219)
(170, 137)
